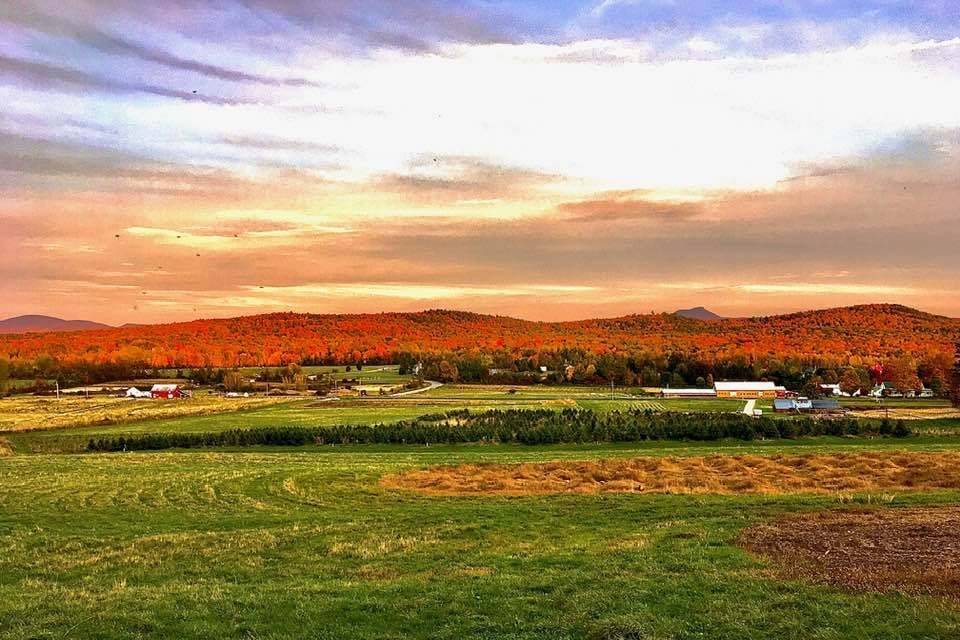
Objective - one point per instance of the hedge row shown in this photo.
(540, 426)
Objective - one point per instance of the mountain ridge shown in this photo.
(697, 313)
(865, 332)
(37, 323)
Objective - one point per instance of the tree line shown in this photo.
(519, 426)
(563, 366)
(679, 369)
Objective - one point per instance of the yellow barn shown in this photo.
(746, 390)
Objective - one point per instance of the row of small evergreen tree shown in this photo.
(539, 426)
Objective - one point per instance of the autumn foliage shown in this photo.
(855, 336)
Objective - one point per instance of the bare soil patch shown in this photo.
(720, 474)
(914, 551)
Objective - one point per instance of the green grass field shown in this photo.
(304, 413)
(305, 543)
(307, 413)
(370, 374)
(310, 413)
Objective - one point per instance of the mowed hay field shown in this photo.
(246, 413)
(30, 413)
(310, 543)
(716, 474)
(68, 425)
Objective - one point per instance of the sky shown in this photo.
(545, 159)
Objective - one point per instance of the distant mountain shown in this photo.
(36, 324)
(697, 313)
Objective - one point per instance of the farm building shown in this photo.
(826, 405)
(165, 391)
(133, 392)
(748, 390)
(688, 393)
(805, 405)
(834, 390)
(885, 390)
(784, 405)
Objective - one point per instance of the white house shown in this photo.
(885, 390)
(834, 390)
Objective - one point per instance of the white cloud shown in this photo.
(600, 112)
(622, 122)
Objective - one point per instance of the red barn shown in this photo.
(165, 391)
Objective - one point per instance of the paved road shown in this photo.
(748, 408)
(433, 385)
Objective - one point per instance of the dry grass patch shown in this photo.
(914, 551)
(31, 413)
(5, 448)
(382, 546)
(473, 572)
(906, 413)
(832, 473)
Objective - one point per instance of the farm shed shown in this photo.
(805, 405)
(748, 390)
(826, 405)
(166, 391)
(784, 405)
(133, 392)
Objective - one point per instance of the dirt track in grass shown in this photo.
(914, 551)
(720, 474)
(906, 413)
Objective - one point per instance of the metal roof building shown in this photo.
(782, 405)
(746, 389)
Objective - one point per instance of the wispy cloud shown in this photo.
(414, 291)
(801, 288)
(629, 206)
(242, 240)
(85, 35)
(45, 75)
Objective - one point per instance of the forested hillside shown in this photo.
(630, 349)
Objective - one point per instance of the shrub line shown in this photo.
(519, 426)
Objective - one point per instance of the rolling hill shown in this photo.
(698, 313)
(837, 335)
(38, 323)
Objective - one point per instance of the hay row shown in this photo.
(719, 474)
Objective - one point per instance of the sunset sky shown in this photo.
(547, 159)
